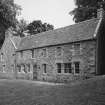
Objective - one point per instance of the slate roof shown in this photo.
(77, 32)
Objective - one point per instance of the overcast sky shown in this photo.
(55, 12)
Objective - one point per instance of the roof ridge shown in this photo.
(79, 31)
(38, 34)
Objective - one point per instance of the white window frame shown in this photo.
(67, 68)
(74, 68)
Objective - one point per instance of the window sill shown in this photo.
(68, 73)
(44, 73)
(76, 73)
(21, 72)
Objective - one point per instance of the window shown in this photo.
(76, 48)
(59, 67)
(44, 54)
(18, 68)
(44, 68)
(3, 68)
(33, 53)
(67, 68)
(77, 68)
(1, 56)
(23, 70)
(28, 67)
(21, 54)
(12, 66)
(58, 51)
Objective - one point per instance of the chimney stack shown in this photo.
(100, 12)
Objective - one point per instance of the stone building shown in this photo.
(63, 54)
(7, 55)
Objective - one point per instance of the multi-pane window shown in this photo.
(44, 66)
(59, 67)
(67, 68)
(76, 48)
(77, 67)
(58, 51)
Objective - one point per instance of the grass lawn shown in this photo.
(20, 92)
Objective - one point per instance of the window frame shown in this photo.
(74, 50)
(32, 53)
(28, 68)
(1, 57)
(75, 67)
(3, 68)
(44, 68)
(67, 68)
(59, 69)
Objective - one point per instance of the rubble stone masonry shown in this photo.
(44, 66)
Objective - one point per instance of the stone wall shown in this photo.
(60, 54)
(8, 57)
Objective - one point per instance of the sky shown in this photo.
(55, 12)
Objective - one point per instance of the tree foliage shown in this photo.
(8, 12)
(37, 27)
(86, 9)
(21, 26)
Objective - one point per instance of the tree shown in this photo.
(86, 9)
(37, 27)
(8, 12)
(21, 26)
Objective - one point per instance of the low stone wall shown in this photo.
(27, 76)
(7, 75)
(65, 77)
